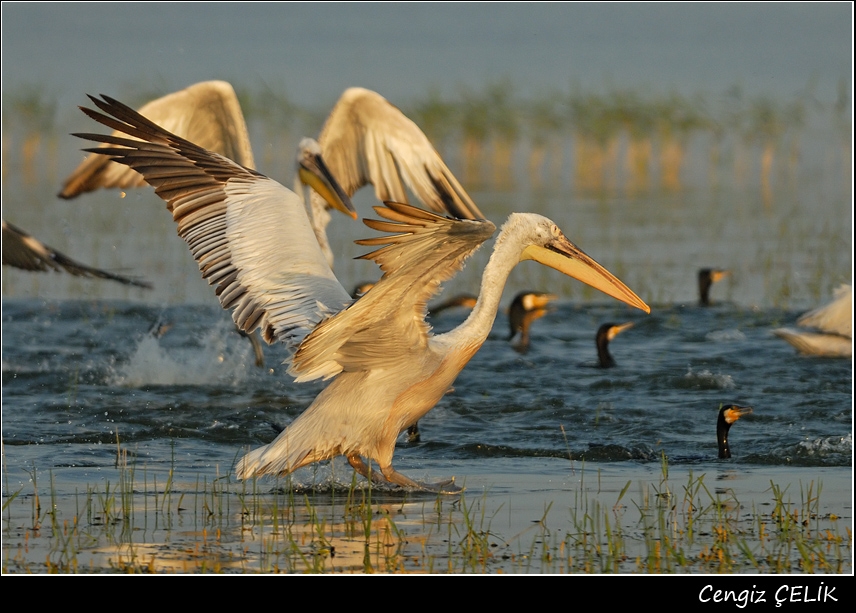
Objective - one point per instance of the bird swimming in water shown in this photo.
(22, 251)
(253, 240)
(706, 278)
(525, 308)
(828, 330)
(727, 416)
(461, 300)
(466, 301)
(606, 333)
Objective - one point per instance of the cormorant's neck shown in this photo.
(604, 358)
(704, 283)
(722, 428)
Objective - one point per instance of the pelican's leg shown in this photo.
(441, 487)
(257, 349)
(413, 435)
(361, 467)
(257, 346)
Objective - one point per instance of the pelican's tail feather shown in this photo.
(278, 458)
(304, 441)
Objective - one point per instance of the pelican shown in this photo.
(365, 139)
(706, 278)
(526, 308)
(21, 250)
(604, 335)
(727, 416)
(209, 114)
(461, 300)
(832, 325)
(253, 240)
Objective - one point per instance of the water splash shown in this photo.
(220, 357)
(708, 380)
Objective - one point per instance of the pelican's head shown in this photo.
(313, 172)
(545, 243)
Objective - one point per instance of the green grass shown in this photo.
(138, 521)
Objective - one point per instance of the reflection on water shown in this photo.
(83, 379)
(654, 187)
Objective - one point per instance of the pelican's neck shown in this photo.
(318, 215)
(506, 254)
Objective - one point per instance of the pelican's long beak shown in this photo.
(734, 412)
(564, 256)
(313, 172)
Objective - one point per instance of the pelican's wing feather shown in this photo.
(21, 250)
(207, 114)
(368, 140)
(835, 317)
(387, 324)
(250, 235)
(812, 343)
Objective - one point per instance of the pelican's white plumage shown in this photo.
(365, 139)
(827, 330)
(253, 241)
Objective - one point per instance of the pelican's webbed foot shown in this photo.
(413, 435)
(390, 475)
(361, 467)
(441, 487)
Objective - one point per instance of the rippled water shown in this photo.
(84, 378)
(79, 375)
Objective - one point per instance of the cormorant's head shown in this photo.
(727, 416)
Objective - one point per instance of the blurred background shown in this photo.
(661, 137)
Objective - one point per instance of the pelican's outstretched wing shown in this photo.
(21, 250)
(368, 140)
(207, 114)
(250, 235)
(387, 324)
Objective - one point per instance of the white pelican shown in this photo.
(727, 416)
(606, 333)
(830, 330)
(706, 278)
(253, 240)
(365, 139)
(526, 308)
(20, 250)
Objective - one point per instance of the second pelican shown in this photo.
(253, 240)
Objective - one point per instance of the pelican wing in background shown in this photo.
(250, 235)
(835, 317)
(253, 240)
(20, 250)
(207, 114)
(366, 139)
(827, 330)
